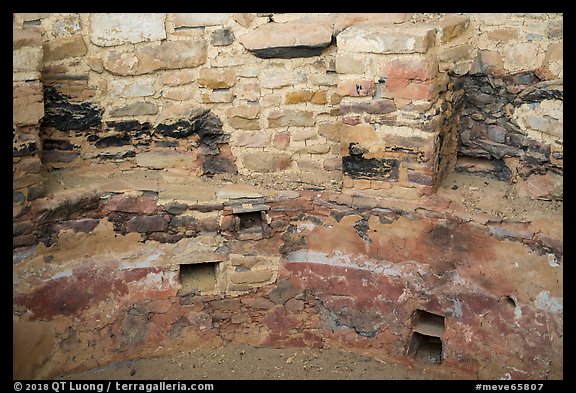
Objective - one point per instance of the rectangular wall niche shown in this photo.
(250, 221)
(198, 278)
(426, 337)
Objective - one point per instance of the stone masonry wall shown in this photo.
(285, 93)
(28, 172)
(276, 179)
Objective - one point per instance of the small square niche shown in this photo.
(426, 337)
(198, 277)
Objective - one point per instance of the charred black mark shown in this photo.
(288, 52)
(214, 164)
(208, 127)
(358, 167)
(24, 149)
(129, 125)
(64, 115)
(113, 141)
(58, 144)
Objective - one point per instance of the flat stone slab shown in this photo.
(236, 191)
(188, 193)
(376, 38)
(117, 29)
(288, 40)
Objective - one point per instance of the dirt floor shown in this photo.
(243, 362)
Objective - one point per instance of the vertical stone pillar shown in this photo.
(28, 110)
(399, 137)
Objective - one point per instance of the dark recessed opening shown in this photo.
(198, 278)
(425, 348)
(508, 301)
(428, 324)
(425, 341)
(250, 221)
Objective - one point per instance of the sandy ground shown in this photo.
(243, 362)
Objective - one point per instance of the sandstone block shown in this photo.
(178, 93)
(375, 38)
(117, 29)
(65, 47)
(344, 20)
(253, 139)
(243, 124)
(244, 111)
(244, 19)
(303, 134)
(131, 87)
(502, 35)
(218, 96)
(64, 205)
(356, 88)
(277, 77)
(281, 140)
(555, 28)
(489, 62)
(258, 303)
(66, 25)
(216, 78)
(54, 156)
(166, 56)
(251, 276)
(266, 162)
(143, 224)
(553, 63)
(423, 68)
(131, 204)
(347, 63)
(330, 131)
(199, 19)
(176, 77)
(27, 59)
(308, 165)
(295, 118)
(413, 89)
(165, 159)
(332, 164)
(324, 79)
(375, 106)
(298, 96)
(248, 90)
(222, 37)
(135, 109)
(456, 53)
(287, 40)
(452, 26)
(523, 56)
(26, 37)
(314, 149)
(363, 134)
(27, 103)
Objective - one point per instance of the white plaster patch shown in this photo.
(552, 260)
(64, 273)
(343, 260)
(548, 303)
(410, 43)
(457, 311)
(117, 29)
(147, 262)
